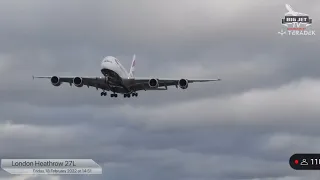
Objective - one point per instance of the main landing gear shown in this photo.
(111, 95)
(128, 95)
(103, 93)
(114, 95)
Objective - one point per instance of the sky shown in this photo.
(245, 127)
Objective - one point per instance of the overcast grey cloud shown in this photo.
(243, 128)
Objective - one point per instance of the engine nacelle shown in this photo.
(78, 82)
(154, 83)
(183, 83)
(55, 80)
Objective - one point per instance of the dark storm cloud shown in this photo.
(263, 111)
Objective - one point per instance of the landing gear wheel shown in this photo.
(103, 94)
(115, 95)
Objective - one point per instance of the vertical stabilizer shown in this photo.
(131, 73)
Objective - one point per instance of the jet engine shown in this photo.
(78, 82)
(55, 80)
(154, 83)
(183, 83)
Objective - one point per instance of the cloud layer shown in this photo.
(243, 128)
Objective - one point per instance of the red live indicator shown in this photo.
(296, 161)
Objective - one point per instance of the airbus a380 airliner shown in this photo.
(117, 80)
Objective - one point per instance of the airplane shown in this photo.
(292, 12)
(117, 80)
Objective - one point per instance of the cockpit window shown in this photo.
(107, 60)
(117, 61)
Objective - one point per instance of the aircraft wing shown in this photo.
(143, 83)
(97, 82)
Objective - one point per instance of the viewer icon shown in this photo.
(304, 162)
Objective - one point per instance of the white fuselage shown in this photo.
(117, 75)
(111, 65)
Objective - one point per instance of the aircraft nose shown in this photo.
(103, 65)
